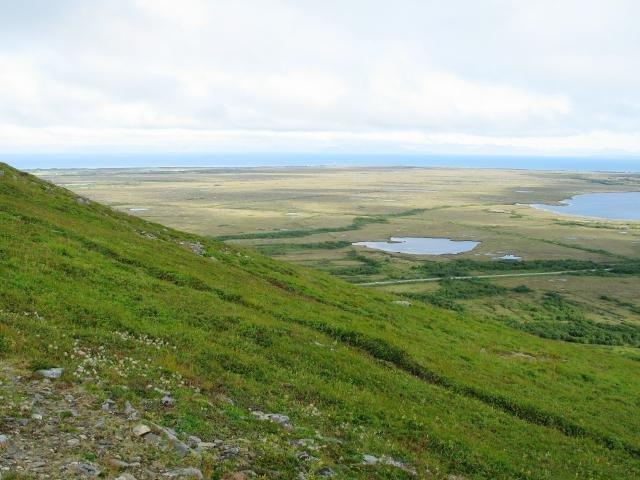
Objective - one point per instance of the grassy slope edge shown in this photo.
(444, 393)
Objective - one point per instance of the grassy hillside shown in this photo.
(137, 312)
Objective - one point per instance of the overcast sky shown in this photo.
(456, 76)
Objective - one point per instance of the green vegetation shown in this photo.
(561, 320)
(281, 248)
(446, 393)
(356, 224)
(465, 266)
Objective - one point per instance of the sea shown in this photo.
(230, 160)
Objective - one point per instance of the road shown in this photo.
(470, 277)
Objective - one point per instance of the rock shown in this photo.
(197, 248)
(167, 401)
(193, 441)
(187, 472)
(37, 416)
(278, 418)
(326, 472)
(170, 432)
(108, 405)
(369, 460)
(83, 201)
(117, 463)
(180, 448)
(152, 438)
(126, 476)
(131, 413)
(86, 469)
(403, 303)
(203, 446)
(228, 452)
(3, 440)
(141, 429)
(305, 457)
(73, 442)
(51, 373)
(387, 460)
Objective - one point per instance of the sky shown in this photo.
(549, 77)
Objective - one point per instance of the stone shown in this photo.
(198, 249)
(185, 473)
(51, 373)
(228, 452)
(403, 303)
(193, 441)
(82, 201)
(167, 401)
(108, 405)
(181, 448)
(73, 442)
(117, 463)
(131, 413)
(4, 439)
(203, 446)
(278, 418)
(170, 432)
(152, 438)
(326, 472)
(126, 476)
(141, 429)
(86, 469)
(369, 460)
(37, 416)
(304, 456)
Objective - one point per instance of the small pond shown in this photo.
(421, 245)
(610, 206)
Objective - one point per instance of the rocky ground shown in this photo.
(54, 428)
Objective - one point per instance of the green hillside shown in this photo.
(136, 312)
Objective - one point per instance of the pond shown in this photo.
(421, 245)
(610, 206)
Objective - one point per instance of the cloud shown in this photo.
(280, 75)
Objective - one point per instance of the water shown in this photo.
(509, 257)
(129, 160)
(610, 206)
(421, 245)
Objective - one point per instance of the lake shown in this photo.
(610, 206)
(421, 245)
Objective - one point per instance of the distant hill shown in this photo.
(184, 357)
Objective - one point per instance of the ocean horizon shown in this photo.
(242, 160)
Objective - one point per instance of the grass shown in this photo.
(439, 390)
(357, 224)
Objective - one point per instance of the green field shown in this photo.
(444, 391)
(311, 216)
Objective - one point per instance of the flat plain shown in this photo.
(313, 215)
